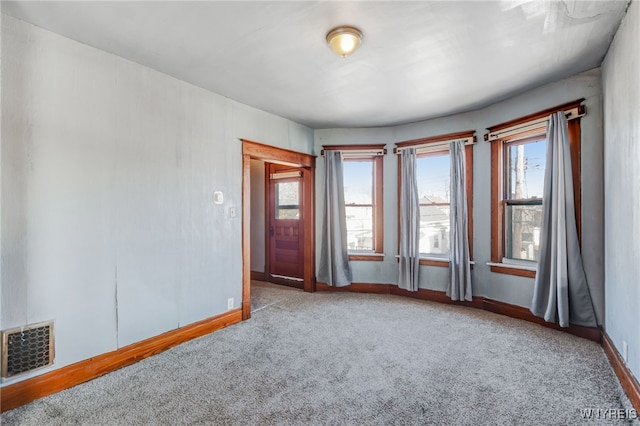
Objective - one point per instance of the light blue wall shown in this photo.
(621, 84)
(108, 172)
(506, 288)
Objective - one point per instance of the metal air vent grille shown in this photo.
(27, 348)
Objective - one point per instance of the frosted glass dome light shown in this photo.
(344, 40)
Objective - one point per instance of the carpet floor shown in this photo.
(346, 358)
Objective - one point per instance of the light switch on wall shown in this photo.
(232, 211)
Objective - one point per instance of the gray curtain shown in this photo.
(409, 266)
(560, 293)
(334, 259)
(459, 270)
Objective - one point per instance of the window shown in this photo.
(524, 180)
(433, 173)
(287, 200)
(362, 180)
(518, 157)
(433, 170)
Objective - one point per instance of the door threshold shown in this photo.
(284, 277)
(288, 281)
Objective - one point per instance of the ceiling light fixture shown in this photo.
(344, 40)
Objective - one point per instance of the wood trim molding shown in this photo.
(519, 312)
(431, 262)
(372, 147)
(258, 276)
(468, 150)
(536, 115)
(513, 271)
(496, 211)
(374, 257)
(627, 380)
(276, 155)
(28, 390)
(246, 236)
(575, 149)
(309, 232)
(438, 138)
(436, 296)
(356, 288)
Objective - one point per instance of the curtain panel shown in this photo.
(561, 293)
(459, 268)
(409, 264)
(334, 266)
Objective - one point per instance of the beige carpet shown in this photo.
(344, 358)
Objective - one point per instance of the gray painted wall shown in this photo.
(108, 171)
(506, 288)
(621, 85)
(257, 216)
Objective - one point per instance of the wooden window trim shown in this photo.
(436, 139)
(498, 177)
(468, 149)
(432, 262)
(376, 155)
(373, 257)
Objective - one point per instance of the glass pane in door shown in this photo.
(288, 200)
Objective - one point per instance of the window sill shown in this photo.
(367, 257)
(435, 261)
(512, 269)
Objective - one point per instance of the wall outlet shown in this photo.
(230, 303)
(625, 351)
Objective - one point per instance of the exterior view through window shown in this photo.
(358, 198)
(524, 181)
(433, 178)
(288, 200)
(518, 164)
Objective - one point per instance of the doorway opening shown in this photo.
(290, 252)
(285, 221)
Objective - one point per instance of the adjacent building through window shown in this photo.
(362, 181)
(518, 163)
(433, 174)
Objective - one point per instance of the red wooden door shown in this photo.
(286, 225)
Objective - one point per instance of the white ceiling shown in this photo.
(418, 59)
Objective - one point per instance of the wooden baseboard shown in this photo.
(502, 308)
(627, 380)
(258, 276)
(356, 288)
(28, 390)
(436, 296)
(21, 393)
(515, 311)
